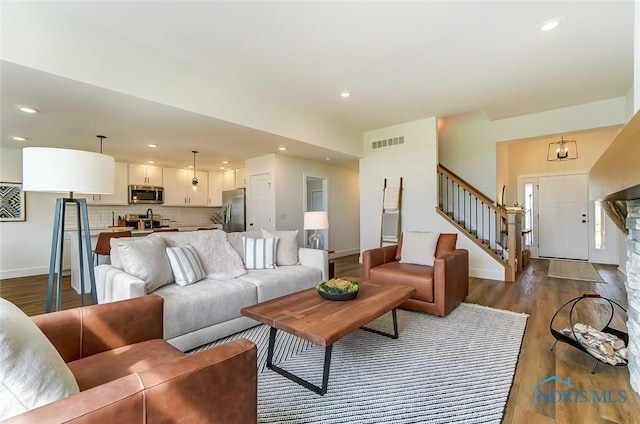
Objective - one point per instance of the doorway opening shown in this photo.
(316, 199)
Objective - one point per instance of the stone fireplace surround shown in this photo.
(632, 285)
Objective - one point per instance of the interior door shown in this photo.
(563, 217)
(260, 196)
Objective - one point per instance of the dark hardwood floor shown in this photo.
(540, 296)
(30, 293)
(533, 293)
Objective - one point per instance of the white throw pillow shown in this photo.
(146, 258)
(259, 253)
(32, 372)
(185, 264)
(287, 253)
(236, 240)
(418, 247)
(114, 258)
(219, 259)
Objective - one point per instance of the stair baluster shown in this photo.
(475, 215)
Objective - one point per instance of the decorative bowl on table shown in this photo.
(338, 289)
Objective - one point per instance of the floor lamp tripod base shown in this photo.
(57, 250)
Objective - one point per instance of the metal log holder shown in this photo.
(559, 336)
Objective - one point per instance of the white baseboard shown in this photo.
(488, 274)
(27, 272)
(346, 252)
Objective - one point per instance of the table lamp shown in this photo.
(55, 170)
(316, 221)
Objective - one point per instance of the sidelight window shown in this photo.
(527, 228)
(599, 226)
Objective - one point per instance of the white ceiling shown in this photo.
(400, 60)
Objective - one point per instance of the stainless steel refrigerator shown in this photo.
(233, 210)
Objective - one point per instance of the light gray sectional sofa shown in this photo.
(208, 309)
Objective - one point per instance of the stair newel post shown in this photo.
(514, 228)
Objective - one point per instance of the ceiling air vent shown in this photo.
(386, 143)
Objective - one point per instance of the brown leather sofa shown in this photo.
(128, 374)
(439, 288)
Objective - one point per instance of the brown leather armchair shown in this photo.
(439, 288)
(128, 374)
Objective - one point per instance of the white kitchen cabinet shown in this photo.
(241, 178)
(234, 178)
(178, 190)
(120, 194)
(229, 180)
(145, 175)
(215, 188)
(173, 187)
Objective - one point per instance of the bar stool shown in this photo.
(164, 230)
(103, 244)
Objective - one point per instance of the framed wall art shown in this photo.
(12, 202)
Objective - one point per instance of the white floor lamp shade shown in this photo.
(318, 220)
(47, 169)
(62, 170)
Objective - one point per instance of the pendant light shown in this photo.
(101, 137)
(194, 181)
(562, 150)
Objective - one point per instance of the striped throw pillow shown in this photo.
(259, 253)
(185, 264)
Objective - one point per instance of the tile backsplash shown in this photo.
(101, 216)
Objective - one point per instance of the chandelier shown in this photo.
(562, 150)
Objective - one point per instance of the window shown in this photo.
(599, 226)
(527, 228)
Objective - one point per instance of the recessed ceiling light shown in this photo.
(152, 145)
(151, 161)
(27, 109)
(222, 167)
(345, 94)
(282, 149)
(19, 138)
(551, 24)
(224, 162)
(327, 158)
(190, 166)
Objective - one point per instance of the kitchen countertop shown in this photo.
(136, 232)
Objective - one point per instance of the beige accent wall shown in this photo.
(616, 175)
(529, 157)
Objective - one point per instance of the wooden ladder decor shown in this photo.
(391, 214)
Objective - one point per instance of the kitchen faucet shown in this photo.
(150, 217)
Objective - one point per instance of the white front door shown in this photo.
(259, 199)
(563, 217)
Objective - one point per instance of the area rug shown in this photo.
(440, 370)
(573, 270)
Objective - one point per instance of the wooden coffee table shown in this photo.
(310, 317)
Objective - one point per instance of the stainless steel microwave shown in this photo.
(146, 194)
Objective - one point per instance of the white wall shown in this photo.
(415, 161)
(25, 247)
(289, 182)
(636, 60)
(32, 37)
(467, 142)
